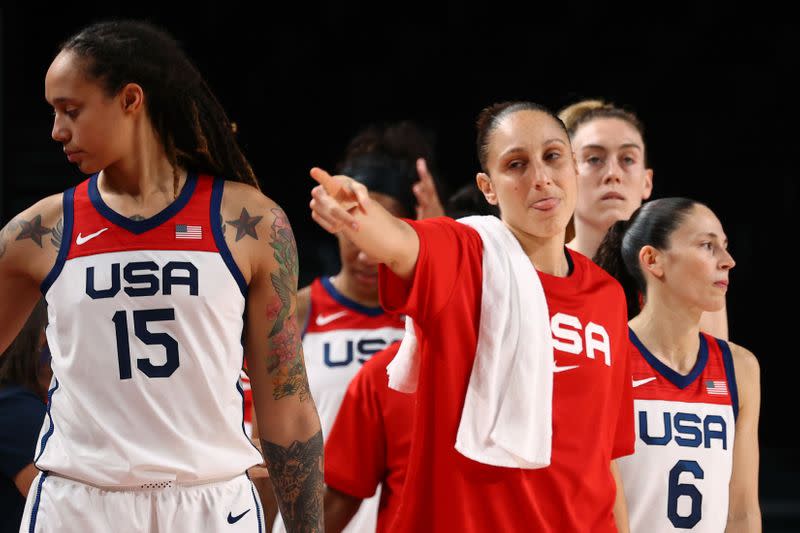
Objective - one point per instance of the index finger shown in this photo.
(331, 185)
(423, 172)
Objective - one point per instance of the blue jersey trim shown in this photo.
(347, 302)
(35, 510)
(241, 391)
(258, 507)
(66, 241)
(679, 380)
(215, 218)
(52, 427)
(730, 375)
(140, 226)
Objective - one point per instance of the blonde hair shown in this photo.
(574, 113)
(579, 113)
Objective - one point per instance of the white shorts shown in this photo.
(57, 504)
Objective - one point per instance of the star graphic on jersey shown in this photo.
(33, 230)
(245, 225)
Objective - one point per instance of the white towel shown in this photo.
(507, 415)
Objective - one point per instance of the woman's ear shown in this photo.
(132, 98)
(487, 188)
(651, 260)
(647, 186)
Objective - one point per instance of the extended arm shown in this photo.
(342, 204)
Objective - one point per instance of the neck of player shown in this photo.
(546, 253)
(587, 238)
(670, 331)
(142, 181)
(348, 286)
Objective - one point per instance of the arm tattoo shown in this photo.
(4, 235)
(296, 474)
(58, 233)
(285, 360)
(33, 229)
(245, 225)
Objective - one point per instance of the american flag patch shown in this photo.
(184, 231)
(718, 388)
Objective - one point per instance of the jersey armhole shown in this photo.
(730, 376)
(215, 218)
(66, 241)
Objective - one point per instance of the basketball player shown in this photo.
(344, 323)
(366, 452)
(614, 178)
(146, 268)
(432, 270)
(374, 424)
(696, 398)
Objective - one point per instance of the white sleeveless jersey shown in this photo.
(678, 477)
(145, 326)
(340, 336)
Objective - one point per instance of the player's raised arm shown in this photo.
(340, 203)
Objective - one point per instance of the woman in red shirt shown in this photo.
(432, 271)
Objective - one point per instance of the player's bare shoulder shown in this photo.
(745, 364)
(30, 242)
(255, 227)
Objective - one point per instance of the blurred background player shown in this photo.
(343, 323)
(696, 398)
(614, 178)
(24, 378)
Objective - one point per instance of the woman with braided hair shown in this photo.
(160, 271)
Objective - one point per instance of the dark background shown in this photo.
(713, 85)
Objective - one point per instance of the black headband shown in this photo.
(385, 175)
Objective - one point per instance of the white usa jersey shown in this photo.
(678, 477)
(145, 325)
(340, 336)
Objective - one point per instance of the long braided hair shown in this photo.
(185, 114)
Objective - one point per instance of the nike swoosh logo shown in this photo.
(322, 320)
(557, 368)
(80, 239)
(640, 382)
(234, 519)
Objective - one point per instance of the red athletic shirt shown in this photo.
(370, 440)
(592, 402)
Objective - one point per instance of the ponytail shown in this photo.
(650, 225)
(610, 257)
